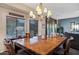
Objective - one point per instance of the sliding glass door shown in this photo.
(14, 27)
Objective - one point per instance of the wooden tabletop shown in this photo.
(43, 47)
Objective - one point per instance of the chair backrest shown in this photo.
(67, 47)
(9, 47)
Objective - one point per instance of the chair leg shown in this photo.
(66, 52)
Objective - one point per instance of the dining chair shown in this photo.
(65, 50)
(9, 47)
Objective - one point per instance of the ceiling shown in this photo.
(60, 10)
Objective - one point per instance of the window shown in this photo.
(33, 27)
(20, 27)
(14, 27)
(51, 27)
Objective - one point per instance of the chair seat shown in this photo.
(59, 51)
(73, 51)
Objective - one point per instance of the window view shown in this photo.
(20, 27)
(33, 27)
(15, 27)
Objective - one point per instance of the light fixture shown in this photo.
(41, 11)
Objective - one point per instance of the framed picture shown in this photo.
(77, 27)
(72, 26)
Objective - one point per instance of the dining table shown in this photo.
(40, 46)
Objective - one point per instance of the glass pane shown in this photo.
(20, 27)
(33, 27)
(51, 27)
(11, 27)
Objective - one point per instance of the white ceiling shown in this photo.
(60, 10)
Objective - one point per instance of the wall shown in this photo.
(65, 23)
(2, 29)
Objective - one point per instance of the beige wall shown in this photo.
(3, 13)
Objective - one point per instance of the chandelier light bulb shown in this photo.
(31, 14)
(45, 10)
(38, 10)
(49, 13)
(34, 16)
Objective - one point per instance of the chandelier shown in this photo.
(40, 11)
